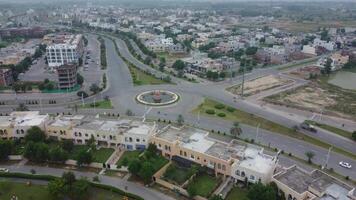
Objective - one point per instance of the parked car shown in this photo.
(308, 127)
(4, 170)
(345, 164)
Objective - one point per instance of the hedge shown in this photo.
(210, 112)
(230, 109)
(219, 106)
(50, 178)
(222, 115)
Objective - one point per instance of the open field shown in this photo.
(253, 120)
(258, 85)
(319, 96)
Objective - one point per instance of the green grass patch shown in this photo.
(203, 184)
(102, 155)
(253, 120)
(40, 192)
(298, 63)
(177, 174)
(104, 104)
(77, 148)
(127, 157)
(140, 77)
(237, 194)
(333, 129)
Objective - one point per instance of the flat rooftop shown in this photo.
(300, 181)
(29, 118)
(255, 160)
(172, 134)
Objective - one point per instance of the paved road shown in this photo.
(122, 93)
(142, 191)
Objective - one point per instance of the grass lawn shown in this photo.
(141, 78)
(338, 131)
(253, 120)
(76, 150)
(178, 174)
(102, 155)
(204, 184)
(157, 162)
(237, 194)
(129, 155)
(39, 192)
(104, 104)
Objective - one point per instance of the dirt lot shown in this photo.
(317, 96)
(258, 85)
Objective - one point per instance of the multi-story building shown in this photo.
(16, 125)
(193, 145)
(63, 49)
(298, 184)
(67, 76)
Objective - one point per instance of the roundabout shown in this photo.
(157, 98)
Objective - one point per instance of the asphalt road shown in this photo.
(122, 92)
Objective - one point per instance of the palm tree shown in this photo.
(309, 155)
(235, 130)
(180, 120)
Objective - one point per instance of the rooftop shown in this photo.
(30, 118)
(255, 160)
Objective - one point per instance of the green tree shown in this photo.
(95, 88)
(80, 189)
(327, 66)
(178, 65)
(22, 107)
(261, 192)
(84, 157)
(134, 166)
(250, 51)
(310, 155)
(152, 148)
(57, 188)
(67, 145)
(146, 172)
(69, 178)
(5, 149)
(180, 120)
(57, 154)
(354, 135)
(80, 79)
(35, 134)
(216, 197)
(235, 130)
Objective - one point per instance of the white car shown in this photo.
(4, 170)
(345, 164)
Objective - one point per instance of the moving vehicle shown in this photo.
(308, 127)
(345, 164)
(4, 170)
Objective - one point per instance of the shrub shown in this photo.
(96, 104)
(219, 106)
(210, 112)
(230, 109)
(222, 115)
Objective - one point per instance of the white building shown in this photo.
(64, 49)
(325, 44)
(138, 136)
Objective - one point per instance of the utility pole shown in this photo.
(327, 158)
(243, 79)
(257, 131)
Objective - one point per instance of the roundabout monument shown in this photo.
(157, 98)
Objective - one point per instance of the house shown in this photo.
(325, 44)
(337, 61)
(6, 78)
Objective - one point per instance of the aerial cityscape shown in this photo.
(169, 99)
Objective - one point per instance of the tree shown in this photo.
(353, 43)
(327, 66)
(129, 112)
(235, 130)
(134, 166)
(94, 88)
(180, 120)
(251, 51)
(68, 178)
(67, 145)
(57, 154)
(37, 152)
(310, 155)
(152, 148)
(146, 172)
(16, 86)
(216, 197)
(80, 79)
(57, 188)
(261, 192)
(35, 134)
(354, 135)
(5, 149)
(162, 63)
(178, 65)
(84, 157)
(82, 94)
(79, 189)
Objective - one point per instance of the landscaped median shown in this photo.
(104, 104)
(215, 109)
(40, 192)
(333, 129)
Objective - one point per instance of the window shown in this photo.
(86, 135)
(237, 172)
(22, 131)
(137, 139)
(130, 139)
(252, 177)
(192, 156)
(223, 167)
(243, 174)
(143, 140)
(185, 154)
(181, 152)
(219, 166)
